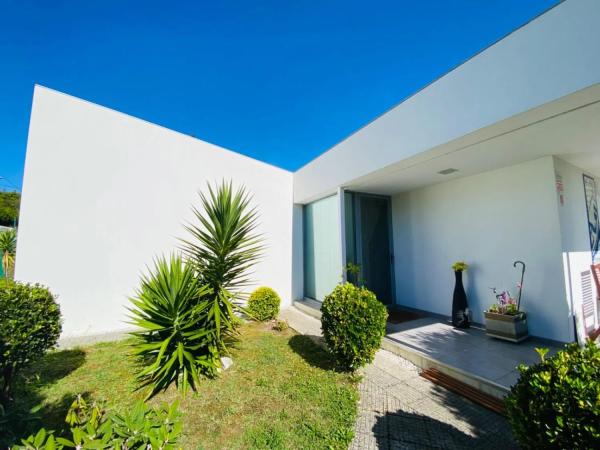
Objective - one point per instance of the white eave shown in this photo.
(532, 94)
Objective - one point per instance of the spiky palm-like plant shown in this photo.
(8, 246)
(224, 246)
(173, 343)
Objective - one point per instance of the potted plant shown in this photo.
(504, 319)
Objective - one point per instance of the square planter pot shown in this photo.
(507, 327)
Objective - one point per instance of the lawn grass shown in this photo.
(280, 393)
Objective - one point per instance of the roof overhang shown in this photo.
(532, 94)
(568, 128)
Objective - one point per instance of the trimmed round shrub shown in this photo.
(263, 304)
(556, 403)
(353, 323)
(30, 324)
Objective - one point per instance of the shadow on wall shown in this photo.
(473, 299)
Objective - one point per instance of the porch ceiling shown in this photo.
(568, 128)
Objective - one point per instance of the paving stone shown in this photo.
(381, 377)
(369, 422)
(397, 445)
(394, 404)
(422, 385)
(372, 397)
(368, 441)
(405, 393)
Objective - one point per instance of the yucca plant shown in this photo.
(175, 341)
(224, 246)
(8, 247)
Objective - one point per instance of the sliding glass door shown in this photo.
(322, 248)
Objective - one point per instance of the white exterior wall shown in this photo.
(575, 238)
(104, 193)
(488, 220)
(559, 50)
(572, 212)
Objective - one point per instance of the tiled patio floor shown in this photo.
(469, 350)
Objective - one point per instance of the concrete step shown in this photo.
(309, 306)
(424, 361)
(301, 322)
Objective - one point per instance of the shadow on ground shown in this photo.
(449, 422)
(314, 354)
(416, 431)
(25, 414)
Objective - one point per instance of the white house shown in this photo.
(485, 165)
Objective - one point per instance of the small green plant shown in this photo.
(460, 266)
(30, 325)
(280, 325)
(8, 247)
(353, 323)
(263, 304)
(556, 403)
(175, 343)
(505, 303)
(93, 427)
(353, 274)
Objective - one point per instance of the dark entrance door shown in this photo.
(371, 217)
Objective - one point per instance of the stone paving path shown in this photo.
(400, 410)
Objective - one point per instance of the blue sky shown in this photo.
(281, 81)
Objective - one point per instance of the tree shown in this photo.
(8, 247)
(9, 208)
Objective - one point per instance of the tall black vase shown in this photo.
(460, 317)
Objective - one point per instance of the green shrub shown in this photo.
(92, 427)
(30, 324)
(353, 323)
(175, 340)
(556, 403)
(263, 304)
(281, 325)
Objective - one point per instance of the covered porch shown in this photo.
(511, 191)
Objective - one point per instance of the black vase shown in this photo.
(460, 317)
